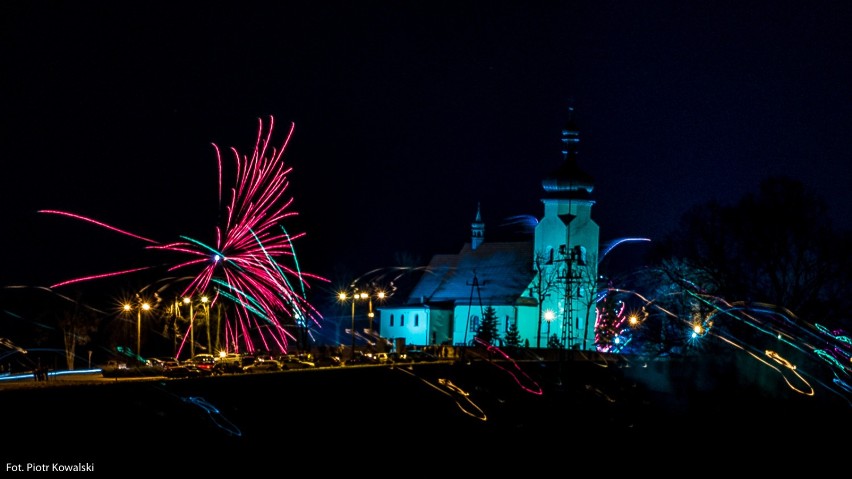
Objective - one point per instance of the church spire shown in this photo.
(477, 230)
(569, 181)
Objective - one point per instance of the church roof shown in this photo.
(502, 270)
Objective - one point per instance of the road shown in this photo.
(399, 417)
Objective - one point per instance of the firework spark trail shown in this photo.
(776, 324)
(243, 265)
(99, 223)
(521, 378)
(248, 244)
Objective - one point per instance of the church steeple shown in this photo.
(568, 233)
(569, 181)
(477, 230)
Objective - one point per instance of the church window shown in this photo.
(416, 320)
(402, 320)
(580, 255)
(391, 320)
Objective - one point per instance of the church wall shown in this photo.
(441, 323)
(412, 324)
(524, 315)
(570, 320)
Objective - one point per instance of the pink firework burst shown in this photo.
(245, 265)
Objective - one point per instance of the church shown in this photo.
(544, 286)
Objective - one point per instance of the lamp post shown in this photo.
(188, 301)
(549, 316)
(380, 295)
(205, 304)
(343, 296)
(142, 306)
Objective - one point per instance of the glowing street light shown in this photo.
(205, 303)
(342, 296)
(380, 295)
(363, 295)
(549, 316)
(142, 306)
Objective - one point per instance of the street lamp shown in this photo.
(146, 306)
(342, 296)
(549, 316)
(188, 301)
(204, 302)
(380, 295)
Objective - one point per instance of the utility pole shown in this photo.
(474, 284)
(569, 257)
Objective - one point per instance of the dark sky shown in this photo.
(407, 114)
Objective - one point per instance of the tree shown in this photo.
(487, 330)
(513, 336)
(553, 342)
(545, 282)
(586, 281)
(777, 247)
(77, 326)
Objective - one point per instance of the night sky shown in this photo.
(407, 115)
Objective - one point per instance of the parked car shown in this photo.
(186, 370)
(395, 357)
(230, 363)
(203, 361)
(327, 361)
(359, 358)
(418, 356)
(162, 362)
(263, 365)
(291, 361)
(114, 369)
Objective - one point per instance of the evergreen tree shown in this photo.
(553, 342)
(487, 331)
(513, 336)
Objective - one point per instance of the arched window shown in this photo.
(391, 320)
(474, 324)
(416, 320)
(402, 320)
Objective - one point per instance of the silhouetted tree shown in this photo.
(487, 330)
(553, 342)
(777, 247)
(543, 285)
(77, 325)
(586, 283)
(513, 336)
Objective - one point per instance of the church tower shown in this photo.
(477, 230)
(566, 247)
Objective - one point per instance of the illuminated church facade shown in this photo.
(544, 286)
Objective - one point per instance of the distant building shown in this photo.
(544, 285)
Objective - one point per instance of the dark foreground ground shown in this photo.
(455, 418)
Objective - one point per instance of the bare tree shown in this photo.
(545, 282)
(77, 326)
(776, 246)
(585, 280)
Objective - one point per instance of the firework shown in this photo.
(245, 264)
